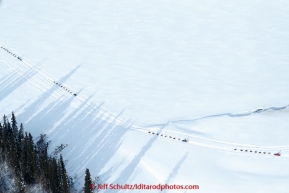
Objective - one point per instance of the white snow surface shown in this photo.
(213, 71)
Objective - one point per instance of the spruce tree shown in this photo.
(10, 143)
(1, 138)
(21, 135)
(53, 176)
(63, 176)
(44, 168)
(35, 164)
(24, 160)
(30, 158)
(14, 124)
(4, 122)
(31, 163)
(5, 138)
(87, 182)
(9, 138)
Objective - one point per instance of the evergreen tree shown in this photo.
(53, 176)
(35, 164)
(63, 176)
(87, 182)
(14, 124)
(5, 137)
(1, 139)
(9, 137)
(21, 136)
(15, 150)
(44, 168)
(30, 160)
(11, 145)
(31, 163)
(24, 155)
(4, 133)
(4, 122)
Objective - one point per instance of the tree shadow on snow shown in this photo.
(12, 81)
(33, 108)
(94, 135)
(130, 171)
(174, 172)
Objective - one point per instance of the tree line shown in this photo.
(30, 162)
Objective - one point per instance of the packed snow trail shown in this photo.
(46, 82)
(215, 144)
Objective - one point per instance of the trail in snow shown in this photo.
(247, 113)
(215, 144)
(44, 81)
(47, 81)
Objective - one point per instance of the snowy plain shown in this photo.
(189, 68)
